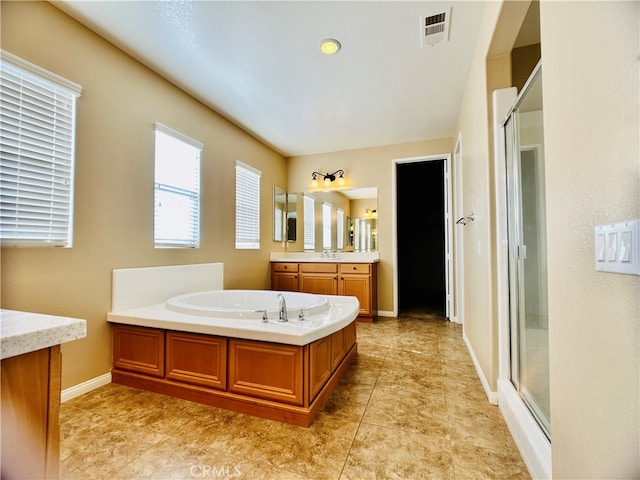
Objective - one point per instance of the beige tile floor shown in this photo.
(410, 407)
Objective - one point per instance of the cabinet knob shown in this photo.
(354, 268)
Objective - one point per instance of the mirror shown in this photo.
(279, 213)
(343, 220)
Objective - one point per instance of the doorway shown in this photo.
(421, 237)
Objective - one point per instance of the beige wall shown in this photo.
(121, 100)
(368, 167)
(591, 110)
(591, 121)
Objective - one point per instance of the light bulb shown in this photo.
(341, 181)
(327, 182)
(314, 183)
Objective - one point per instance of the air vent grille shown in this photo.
(435, 28)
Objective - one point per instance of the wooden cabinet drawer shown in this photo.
(355, 268)
(284, 267)
(319, 267)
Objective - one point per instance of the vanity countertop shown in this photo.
(24, 332)
(331, 257)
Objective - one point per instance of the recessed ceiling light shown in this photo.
(329, 46)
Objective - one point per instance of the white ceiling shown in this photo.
(258, 64)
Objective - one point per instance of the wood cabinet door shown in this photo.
(139, 349)
(197, 359)
(284, 282)
(319, 283)
(358, 286)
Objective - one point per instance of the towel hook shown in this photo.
(464, 220)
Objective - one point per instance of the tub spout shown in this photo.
(282, 309)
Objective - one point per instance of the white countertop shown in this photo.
(330, 257)
(24, 332)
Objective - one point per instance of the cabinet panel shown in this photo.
(319, 283)
(139, 349)
(338, 349)
(319, 365)
(287, 282)
(197, 359)
(266, 370)
(350, 335)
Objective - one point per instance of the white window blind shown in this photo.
(340, 228)
(326, 225)
(247, 206)
(308, 205)
(177, 190)
(37, 154)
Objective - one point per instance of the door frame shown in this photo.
(448, 230)
(458, 244)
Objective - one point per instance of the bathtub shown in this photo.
(248, 304)
(233, 313)
(211, 346)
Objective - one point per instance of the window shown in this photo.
(176, 217)
(37, 155)
(340, 228)
(326, 225)
(308, 205)
(247, 206)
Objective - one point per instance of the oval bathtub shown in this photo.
(247, 304)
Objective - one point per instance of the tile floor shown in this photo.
(410, 407)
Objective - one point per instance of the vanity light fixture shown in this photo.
(327, 178)
(330, 46)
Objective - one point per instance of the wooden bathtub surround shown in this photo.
(281, 382)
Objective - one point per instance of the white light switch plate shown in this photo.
(617, 247)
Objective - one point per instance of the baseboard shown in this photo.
(85, 387)
(534, 446)
(491, 395)
(385, 313)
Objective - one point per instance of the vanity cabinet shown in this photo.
(359, 280)
(30, 403)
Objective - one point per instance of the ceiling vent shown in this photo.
(435, 28)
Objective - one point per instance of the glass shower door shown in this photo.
(526, 217)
